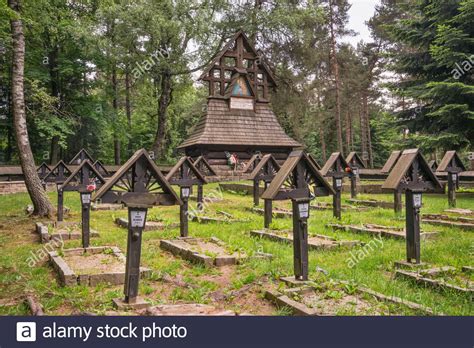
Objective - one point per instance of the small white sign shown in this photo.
(185, 192)
(338, 183)
(355, 171)
(454, 176)
(417, 200)
(86, 198)
(138, 218)
(304, 210)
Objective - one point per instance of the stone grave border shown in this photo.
(379, 231)
(195, 257)
(67, 276)
(298, 308)
(420, 278)
(268, 234)
(46, 237)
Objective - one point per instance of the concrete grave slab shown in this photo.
(90, 266)
(463, 223)
(276, 213)
(210, 252)
(384, 231)
(106, 206)
(338, 298)
(466, 212)
(372, 203)
(315, 242)
(60, 233)
(441, 278)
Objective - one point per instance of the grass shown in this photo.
(18, 244)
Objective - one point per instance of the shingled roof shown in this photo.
(222, 125)
(451, 162)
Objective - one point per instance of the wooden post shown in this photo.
(60, 212)
(397, 201)
(86, 205)
(183, 212)
(452, 181)
(300, 238)
(256, 192)
(267, 216)
(353, 186)
(136, 223)
(413, 205)
(200, 195)
(336, 199)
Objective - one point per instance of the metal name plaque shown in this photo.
(417, 200)
(138, 218)
(304, 210)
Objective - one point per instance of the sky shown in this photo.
(360, 12)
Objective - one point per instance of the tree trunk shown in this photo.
(41, 203)
(55, 92)
(115, 107)
(54, 154)
(348, 131)
(163, 103)
(128, 111)
(323, 144)
(363, 128)
(335, 68)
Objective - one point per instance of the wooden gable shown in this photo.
(43, 170)
(81, 156)
(411, 172)
(204, 167)
(238, 58)
(85, 174)
(138, 182)
(315, 162)
(184, 173)
(335, 166)
(266, 169)
(295, 179)
(58, 174)
(451, 163)
(433, 165)
(354, 160)
(394, 156)
(101, 168)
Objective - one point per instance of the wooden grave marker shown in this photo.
(337, 168)
(397, 194)
(205, 168)
(81, 156)
(264, 171)
(413, 176)
(356, 163)
(99, 166)
(84, 179)
(58, 174)
(139, 185)
(453, 166)
(43, 170)
(299, 180)
(185, 175)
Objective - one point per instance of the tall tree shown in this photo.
(41, 203)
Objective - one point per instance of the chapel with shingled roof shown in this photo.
(238, 117)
